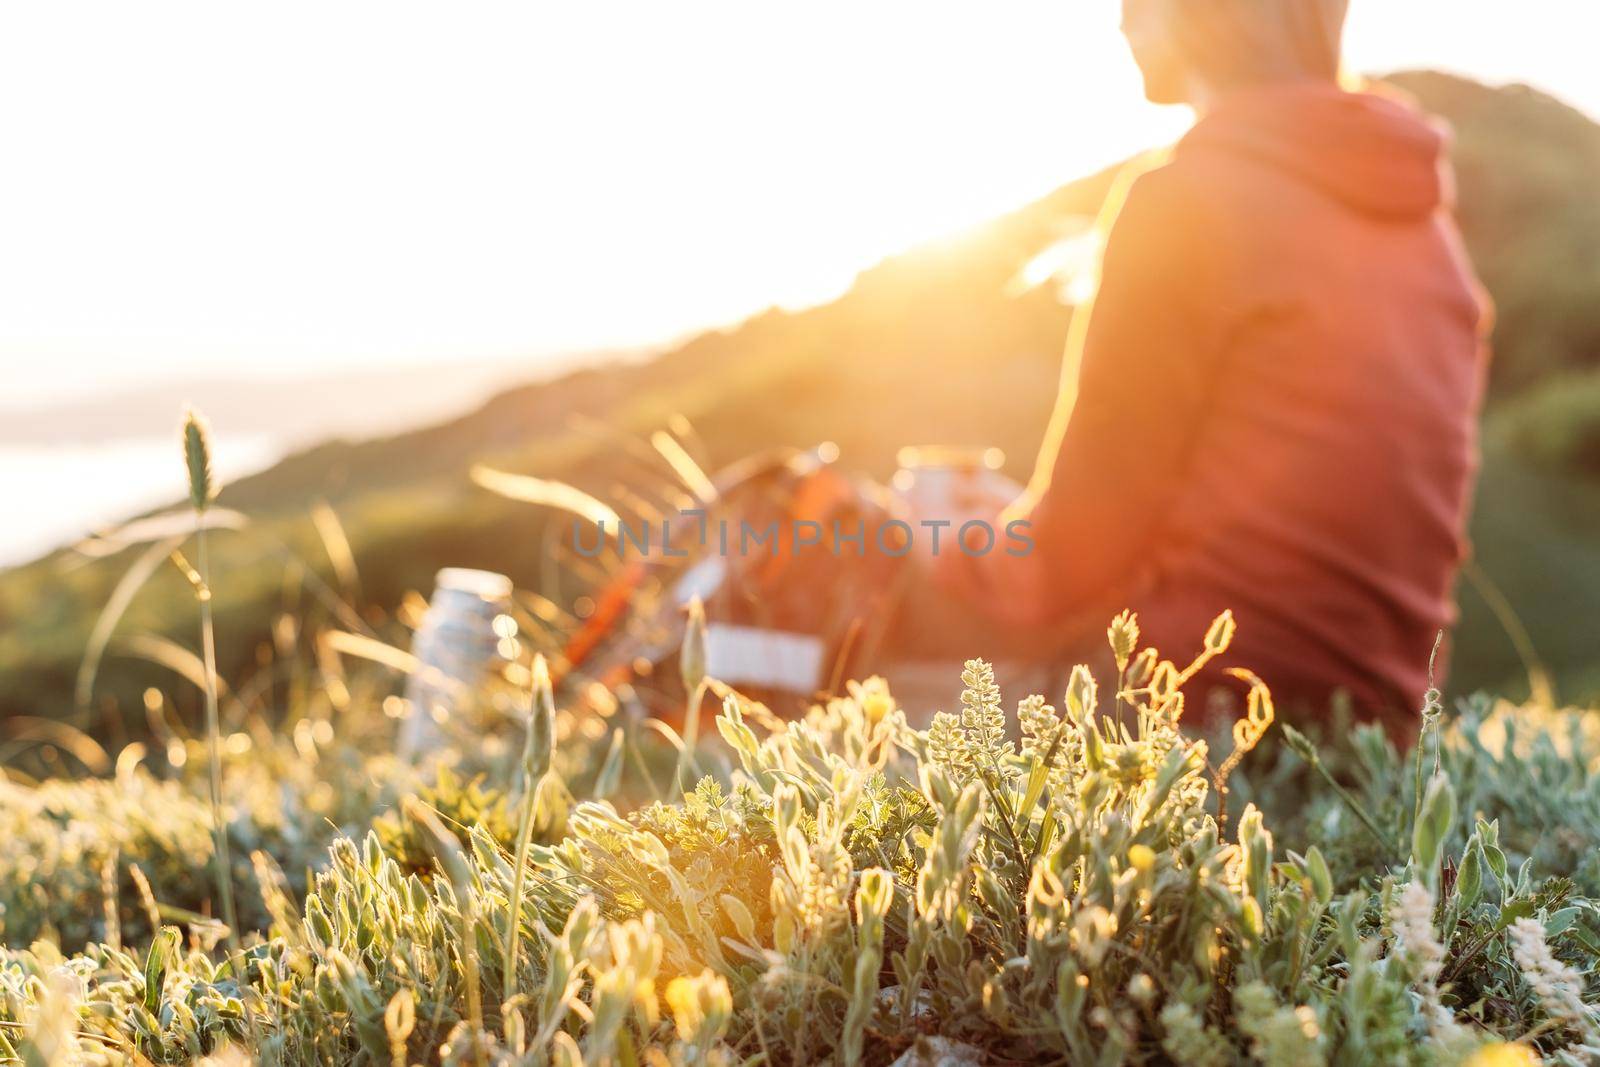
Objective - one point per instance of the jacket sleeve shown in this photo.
(1135, 387)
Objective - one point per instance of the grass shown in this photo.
(1054, 886)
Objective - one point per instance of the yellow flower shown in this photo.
(1143, 857)
(1503, 1054)
(876, 707)
(683, 998)
(874, 699)
(700, 1005)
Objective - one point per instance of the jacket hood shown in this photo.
(1371, 152)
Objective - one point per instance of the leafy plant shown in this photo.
(1054, 886)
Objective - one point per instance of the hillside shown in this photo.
(932, 346)
(1523, 162)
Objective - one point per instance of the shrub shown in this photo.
(88, 860)
(1058, 886)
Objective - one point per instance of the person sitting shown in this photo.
(1270, 403)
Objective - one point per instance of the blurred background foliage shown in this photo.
(947, 343)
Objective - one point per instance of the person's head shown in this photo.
(1187, 49)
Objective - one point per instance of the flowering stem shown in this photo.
(208, 647)
(214, 739)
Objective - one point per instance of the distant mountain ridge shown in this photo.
(353, 403)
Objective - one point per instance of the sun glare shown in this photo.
(513, 180)
(372, 184)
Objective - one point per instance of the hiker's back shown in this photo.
(1330, 478)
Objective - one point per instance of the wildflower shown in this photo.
(1258, 713)
(1413, 930)
(873, 697)
(982, 719)
(1164, 681)
(1255, 853)
(692, 656)
(975, 741)
(750, 894)
(943, 880)
(541, 726)
(1045, 890)
(872, 904)
(1558, 987)
(1503, 1054)
(399, 1018)
(1249, 730)
(1092, 930)
(1432, 700)
(945, 745)
(701, 1006)
(1220, 635)
(874, 896)
(54, 1038)
(1189, 1040)
(1277, 1034)
(1123, 634)
(1081, 695)
(1143, 668)
(1042, 735)
(1414, 937)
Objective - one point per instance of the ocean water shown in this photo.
(53, 494)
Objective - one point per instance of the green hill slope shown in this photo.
(1526, 167)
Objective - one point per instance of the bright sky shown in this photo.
(219, 188)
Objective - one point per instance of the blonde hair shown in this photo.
(1235, 43)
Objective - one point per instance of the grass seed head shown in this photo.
(1123, 634)
(692, 658)
(541, 741)
(197, 457)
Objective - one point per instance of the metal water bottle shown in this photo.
(455, 647)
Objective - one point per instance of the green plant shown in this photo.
(1053, 886)
(197, 458)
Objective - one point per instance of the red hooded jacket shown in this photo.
(1271, 404)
